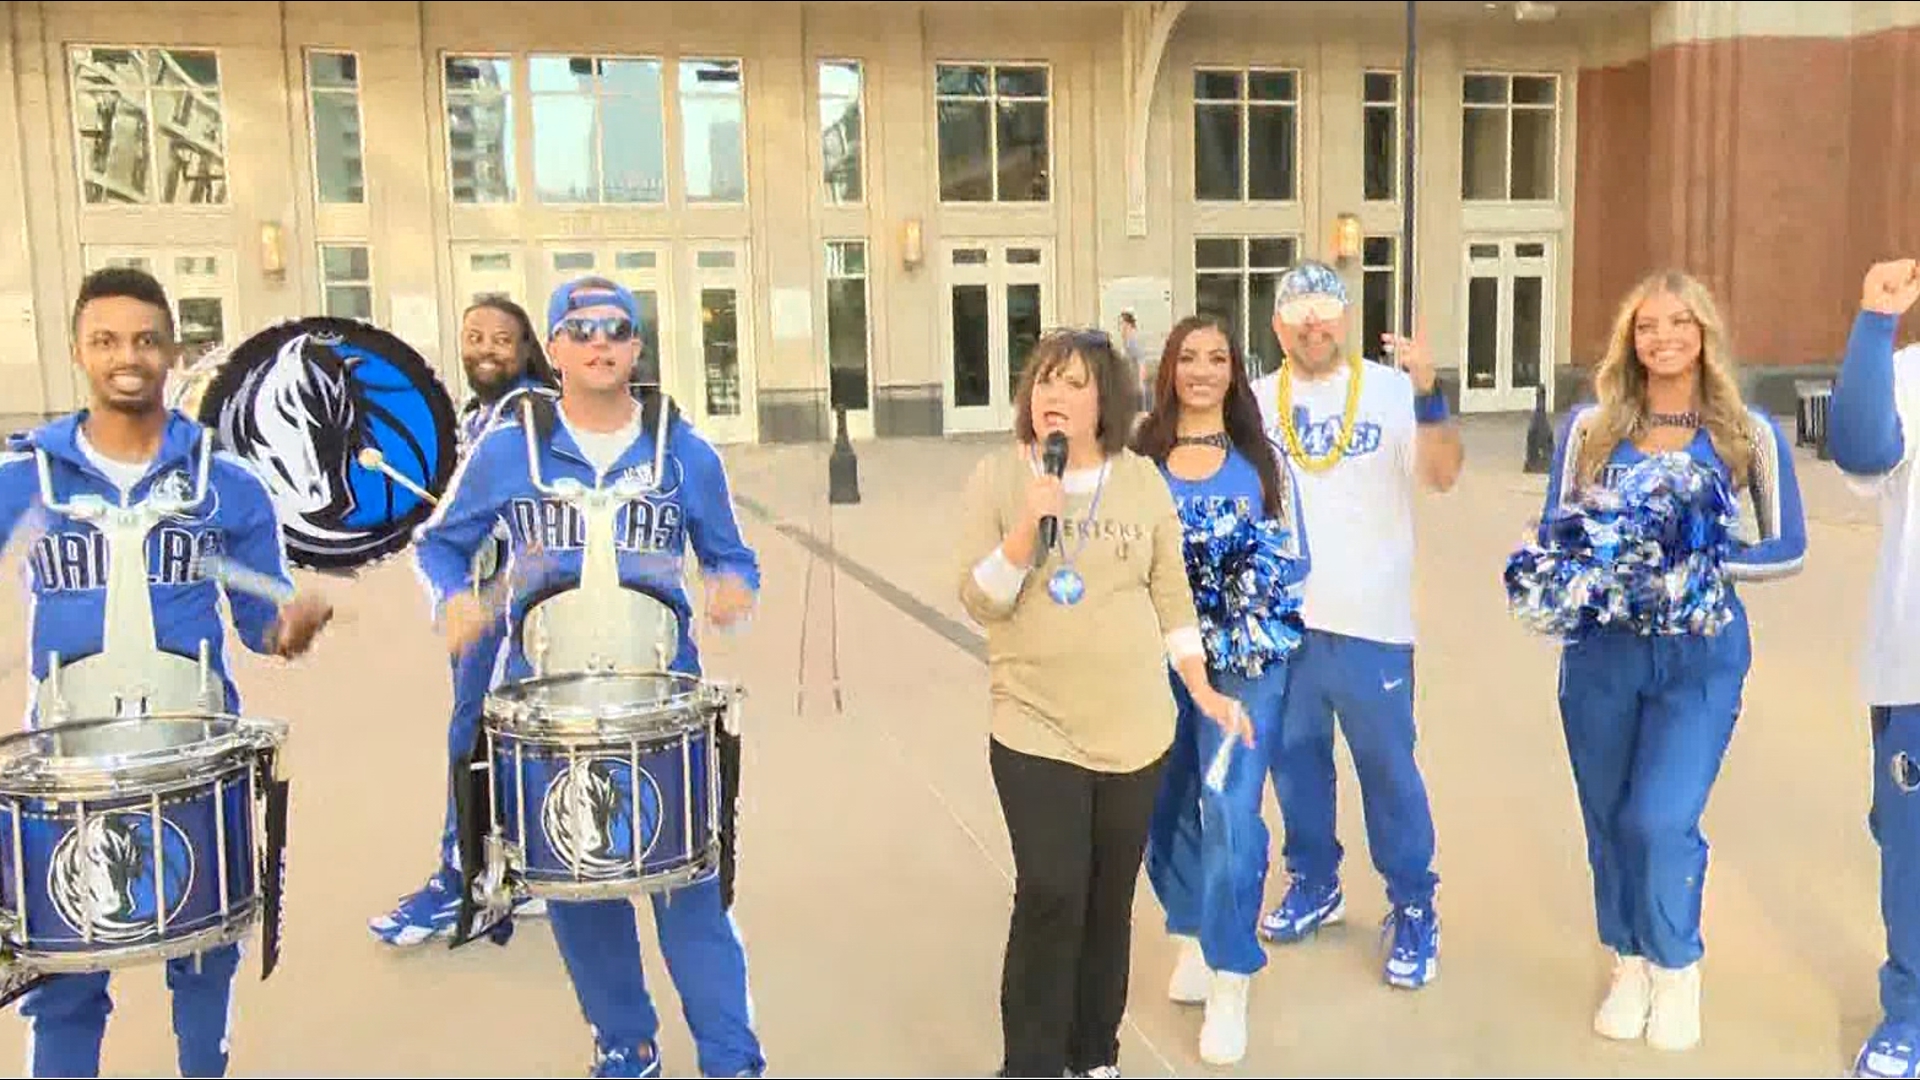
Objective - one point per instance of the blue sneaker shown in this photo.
(1890, 1051)
(1412, 936)
(1305, 909)
(624, 1061)
(419, 918)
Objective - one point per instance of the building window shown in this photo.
(480, 129)
(346, 282)
(1508, 136)
(847, 324)
(1246, 135)
(148, 126)
(1235, 278)
(713, 131)
(993, 132)
(1380, 137)
(1379, 292)
(599, 135)
(842, 140)
(333, 101)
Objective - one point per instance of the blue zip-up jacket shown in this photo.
(69, 562)
(476, 416)
(1864, 433)
(692, 507)
(1773, 487)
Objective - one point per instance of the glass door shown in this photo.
(998, 297)
(1508, 333)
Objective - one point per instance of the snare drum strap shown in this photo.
(273, 877)
(16, 982)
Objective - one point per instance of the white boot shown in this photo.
(1674, 1023)
(1223, 1034)
(1623, 1015)
(1192, 978)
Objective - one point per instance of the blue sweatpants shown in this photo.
(1369, 686)
(1206, 850)
(1895, 824)
(472, 678)
(1647, 721)
(68, 1014)
(600, 942)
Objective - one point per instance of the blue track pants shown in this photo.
(1368, 685)
(68, 1016)
(1647, 721)
(1207, 851)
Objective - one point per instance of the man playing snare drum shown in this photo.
(597, 429)
(126, 446)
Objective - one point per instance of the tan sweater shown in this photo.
(1087, 683)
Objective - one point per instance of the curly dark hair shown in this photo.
(537, 366)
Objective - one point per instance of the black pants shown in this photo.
(1078, 838)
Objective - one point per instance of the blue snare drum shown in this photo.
(605, 784)
(131, 839)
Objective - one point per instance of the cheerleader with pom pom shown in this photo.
(1246, 557)
(1655, 644)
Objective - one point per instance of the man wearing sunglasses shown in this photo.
(597, 435)
(1359, 436)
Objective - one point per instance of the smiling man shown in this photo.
(126, 447)
(597, 434)
(1359, 435)
(502, 357)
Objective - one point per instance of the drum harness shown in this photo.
(130, 675)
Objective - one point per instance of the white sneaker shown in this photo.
(1192, 979)
(1623, 1015)
(1223, 1034)
(1674, 1021)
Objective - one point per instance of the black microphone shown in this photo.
(1054, 460)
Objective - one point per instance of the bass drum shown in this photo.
(328, 411)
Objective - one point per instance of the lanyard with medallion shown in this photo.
(1066, 586)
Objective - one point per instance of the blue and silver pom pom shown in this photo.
(1646, 556)
(1246, 586)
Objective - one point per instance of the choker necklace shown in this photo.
(1689, 419)
(1216, 438)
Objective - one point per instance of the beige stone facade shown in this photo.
(778, 182)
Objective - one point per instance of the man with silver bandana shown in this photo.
(1360, 436)
(598, 436)
(502, 357)
(130, 452)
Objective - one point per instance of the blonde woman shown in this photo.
(1648, 717)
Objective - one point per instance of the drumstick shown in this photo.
(234, 576)
(372, 458)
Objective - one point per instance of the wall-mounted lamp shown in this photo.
(912, 253)
(273, 252)
(1345, 242)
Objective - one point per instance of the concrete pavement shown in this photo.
(875, 876)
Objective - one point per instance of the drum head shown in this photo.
(301, 401)
(638, 700)
(87, 755)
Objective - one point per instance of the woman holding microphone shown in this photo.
(1079, 632)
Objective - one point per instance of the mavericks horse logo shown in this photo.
(109, 876)
(302, 402)
(589, 819)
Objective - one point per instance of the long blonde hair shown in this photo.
(1620, 382)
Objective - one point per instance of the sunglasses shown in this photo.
(617, 328)
(1302, 309)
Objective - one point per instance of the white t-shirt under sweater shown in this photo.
(1359, 513)
(1889, 673)
(603, 448)
(124, 474)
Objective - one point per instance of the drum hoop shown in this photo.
(137, 772)
(509, 710)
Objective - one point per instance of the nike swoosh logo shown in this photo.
(1394, 685)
